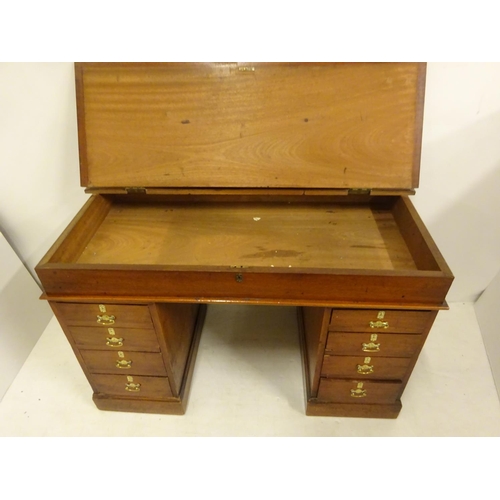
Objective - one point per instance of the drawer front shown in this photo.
(105, 315)
(133, 386)
(366, 367)
(124, 362)
(114, 339)
(358, 391)
(373, 344)
(379, 321)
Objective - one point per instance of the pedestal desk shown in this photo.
(272, 184)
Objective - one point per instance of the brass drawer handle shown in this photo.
(359, 392)
(131, 387)
(365, 369)
(379, 324)
(370, 347)
(114, 342)
(123, 364)
(105, 319)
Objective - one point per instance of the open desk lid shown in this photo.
(252, 125)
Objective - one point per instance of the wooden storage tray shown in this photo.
(285, 250)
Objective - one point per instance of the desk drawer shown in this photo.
(358, 391)
(365, 367)
(353, 320)
(373, 344)
(133, 386)
(104, 315)
(124, 362)
(114, 339)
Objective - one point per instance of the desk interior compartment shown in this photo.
(188, 246)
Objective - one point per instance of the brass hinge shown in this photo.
(359, 191)
(136, 190)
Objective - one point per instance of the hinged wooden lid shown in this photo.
(268, 125)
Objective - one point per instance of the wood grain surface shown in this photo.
(392, 322)
(150, 387)
(132, 339)
(339, 391)
(347, 367)
(141, 363)
(175, 324)
(396, 345)
(358, 410)
(249, 235)
(274, 125)
(128, 316)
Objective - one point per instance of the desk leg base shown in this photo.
(109, 403)
(353, 410)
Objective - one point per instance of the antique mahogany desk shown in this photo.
(278, 184)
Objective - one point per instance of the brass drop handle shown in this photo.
(379, 324)
(123, 364)
(371, 346)
(106, 319)
(359, 392)
(114, 342)
(365, 369)
(131, 387)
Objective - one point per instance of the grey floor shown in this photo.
(248, 382)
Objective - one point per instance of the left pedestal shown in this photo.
(137, 357)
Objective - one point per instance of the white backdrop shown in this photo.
(458, 198)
